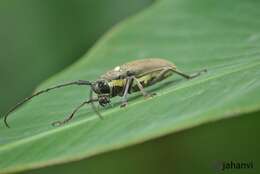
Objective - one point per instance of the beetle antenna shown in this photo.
(79, 82)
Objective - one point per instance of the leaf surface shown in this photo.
(222, 36)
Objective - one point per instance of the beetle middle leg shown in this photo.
(140, 86)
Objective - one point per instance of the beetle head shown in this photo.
(103, 100)
(102, 89)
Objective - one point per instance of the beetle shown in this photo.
(122, 80)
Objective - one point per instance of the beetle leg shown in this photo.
(127, 85)
(59, 123)
(160, 76)
(188, 76)
(93, 104)
(145, 94)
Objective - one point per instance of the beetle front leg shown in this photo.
(59, 123)
(93, 105)
(127, 86)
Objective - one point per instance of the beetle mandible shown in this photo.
(122, 80)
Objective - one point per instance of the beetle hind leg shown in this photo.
(162, 75)
(187, 76)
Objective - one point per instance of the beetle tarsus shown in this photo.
(149, 95)
(124, 104)
(198, 73)
(56, 123)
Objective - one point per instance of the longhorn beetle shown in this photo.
(121, 81)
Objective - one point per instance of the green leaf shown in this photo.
(222, 36)
(203, 149)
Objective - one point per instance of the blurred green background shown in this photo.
(39, 38)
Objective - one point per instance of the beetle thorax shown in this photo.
(101, 87)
